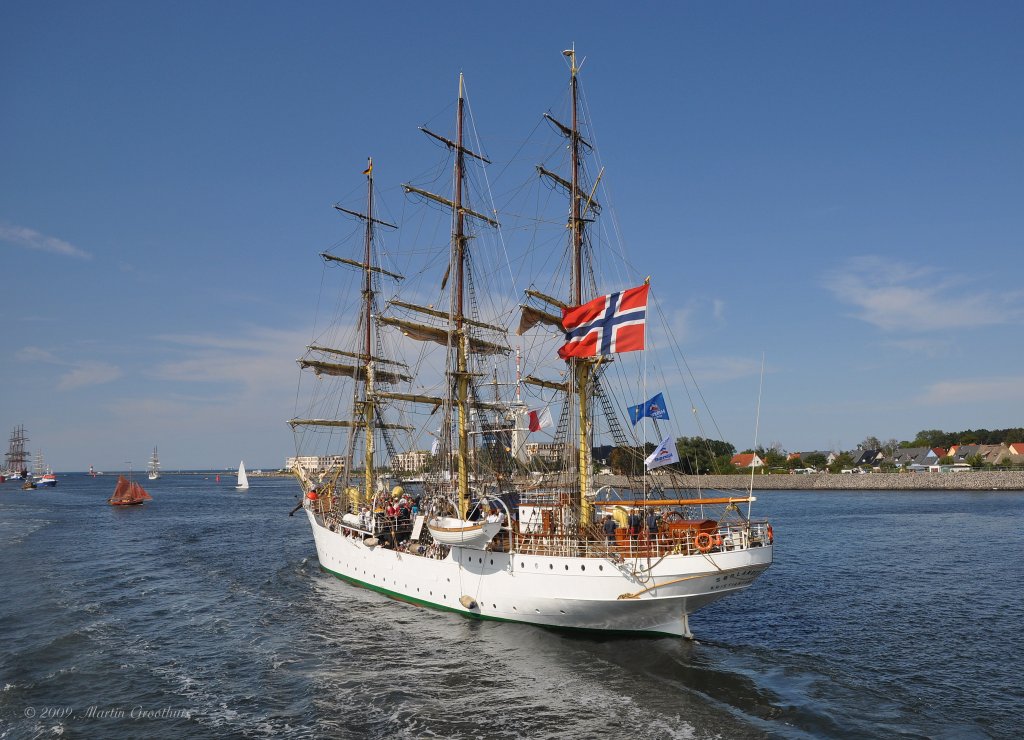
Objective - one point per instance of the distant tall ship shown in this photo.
(154, 466)
(44, 475)
(16, 459)
(486, 538)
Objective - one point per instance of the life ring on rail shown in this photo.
(703, 542)
(771, 537)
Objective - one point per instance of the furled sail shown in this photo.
(354, 355)
(532, 316)
(426, 333)
(352, 371)
(342, 423)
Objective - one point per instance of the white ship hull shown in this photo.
(552, 591)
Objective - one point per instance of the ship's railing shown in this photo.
(709, 537)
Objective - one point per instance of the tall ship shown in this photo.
(154, 465)
(16, 459)
(44, 475)
(511, 521)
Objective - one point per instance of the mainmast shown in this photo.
(368, 407)
(579, 368)
(460, 325)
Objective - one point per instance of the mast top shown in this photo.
(570, 54)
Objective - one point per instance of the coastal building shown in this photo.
(312, 463)
(747, 460)
(830, 457)
(551, 453)
(859, 457)
(989, 454)
(916, 458)
(410, 462)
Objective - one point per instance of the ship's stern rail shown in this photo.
(669, 538)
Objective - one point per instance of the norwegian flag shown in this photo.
(611, 323)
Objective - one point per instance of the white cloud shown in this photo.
(32, 239)
(88, 373)
(974, 390)
(892, 297)
(37, 354)
(718, 309)
(257, 361)
(82, 373)
(928, 347)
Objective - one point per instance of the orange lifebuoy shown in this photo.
(771, 537)
(703, 541)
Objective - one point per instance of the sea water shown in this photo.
(203, 613)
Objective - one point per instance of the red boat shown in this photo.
(128, 493)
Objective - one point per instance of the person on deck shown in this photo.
(652, 524)
(635, 523)
(609, 528)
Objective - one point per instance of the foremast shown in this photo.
(365, 411)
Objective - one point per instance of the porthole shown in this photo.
(567, 566)
(600, 567)
(492, 561)
(583, 567)
(522, 565)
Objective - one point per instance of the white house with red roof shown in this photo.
(747, 460)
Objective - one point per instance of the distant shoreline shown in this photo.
(966, 481)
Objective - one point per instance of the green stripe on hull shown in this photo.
(472, 615)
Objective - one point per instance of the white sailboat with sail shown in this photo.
(485, 537)
(243, 479)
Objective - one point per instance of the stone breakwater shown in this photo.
(967, 481)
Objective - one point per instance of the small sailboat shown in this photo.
(128, 493)
(243, 479)
(154, 466)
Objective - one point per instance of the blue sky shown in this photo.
(836, 185)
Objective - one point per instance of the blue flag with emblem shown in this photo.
(654, 408)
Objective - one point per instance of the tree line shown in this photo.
(701, 455)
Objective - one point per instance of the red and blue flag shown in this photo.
(608, 324)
